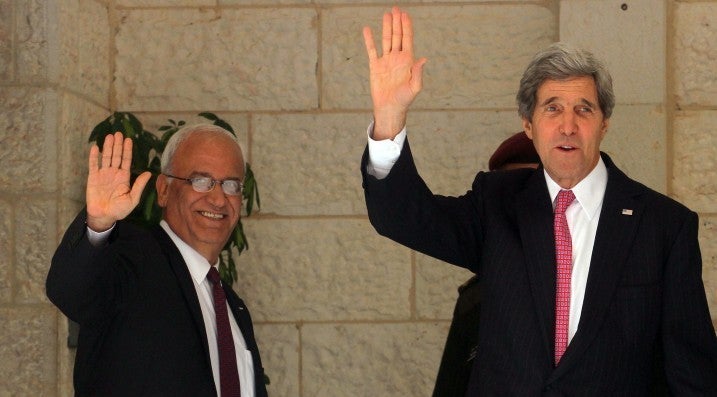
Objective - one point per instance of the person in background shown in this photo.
(588, 278)
(517, 151)
(154, 318)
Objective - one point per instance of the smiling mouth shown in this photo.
(211, 215)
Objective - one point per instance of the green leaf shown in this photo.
(217, 121)
(209, 116)
(148, 206)
(100, 131)
(251, 190)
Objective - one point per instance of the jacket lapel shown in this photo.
(184, 279)
(535, 222)
(619, 217)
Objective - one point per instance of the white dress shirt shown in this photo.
(198, 268)
(582, 215)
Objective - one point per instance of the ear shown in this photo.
(603, 128)
(528, 128)
(162, 186)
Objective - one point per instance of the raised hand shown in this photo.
(109, 196)
(396, 79)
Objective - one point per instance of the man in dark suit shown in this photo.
(590, 282)
(145, 299)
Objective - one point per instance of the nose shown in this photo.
(216, 196)
(568, 126)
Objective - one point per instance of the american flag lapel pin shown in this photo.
(626, 211)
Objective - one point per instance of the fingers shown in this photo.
(116, 152)
(407, 39)
(370, 46)
(397, 30)
(126, 163)
(94, 161)
(386, 34)
(107, 151)
(396, 35)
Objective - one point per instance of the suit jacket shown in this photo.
(141, 327)
(461, 344)
(644, 297)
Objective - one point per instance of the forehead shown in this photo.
(582, 87)
(213, 153)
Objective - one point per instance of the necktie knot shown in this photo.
(565, 198)
(213, 275)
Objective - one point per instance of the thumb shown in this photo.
(417, 75)
(138, 187)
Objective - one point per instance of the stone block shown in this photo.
(67, 210)
(83, 32)
(35, 241)
(399, 359)
(437, 285)
(27, 151)
(279, 348)
(694, 54)
(308, 164)
(166, 3)
(27, 351)
(467, 67)
(221, 59)
(708, 246)
(7, 259)
(451, 147)
(637, 142)
(628, 36)
(6, 40)
(322, 270)
(77, 118)
(239, 122)
(694, 157)
(34, 39)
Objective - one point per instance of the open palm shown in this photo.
(395, 78)
(109, 195)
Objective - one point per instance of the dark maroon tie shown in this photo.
(228, 373)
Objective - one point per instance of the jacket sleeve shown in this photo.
(689, 341)
(81, 282)
(402, 208)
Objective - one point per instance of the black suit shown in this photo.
(141, 327)
(644, 297)
(461, 344)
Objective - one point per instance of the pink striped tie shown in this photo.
(564, 256)
(228, 373)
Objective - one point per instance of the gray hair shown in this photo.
(182, 135)
(561, 62)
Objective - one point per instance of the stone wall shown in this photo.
(339, 311)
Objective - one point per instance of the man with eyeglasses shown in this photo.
(145, 299)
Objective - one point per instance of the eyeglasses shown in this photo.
(204, 184)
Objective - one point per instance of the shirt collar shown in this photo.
(589, 192)
(197, 265)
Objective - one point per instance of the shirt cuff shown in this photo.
(383, 154)
(98, 239)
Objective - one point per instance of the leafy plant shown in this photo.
(146, 156)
